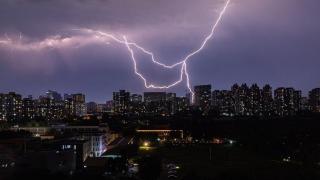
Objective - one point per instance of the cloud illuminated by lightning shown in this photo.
(58, 41)
(183, 63)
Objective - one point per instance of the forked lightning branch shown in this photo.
(104, 36)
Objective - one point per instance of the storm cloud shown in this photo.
(263, 41)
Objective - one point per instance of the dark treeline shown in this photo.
(296, 137)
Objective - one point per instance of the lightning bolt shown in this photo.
(183, 63)
(103, 36)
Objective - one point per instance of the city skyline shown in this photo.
(286, 57)
(239, 100)
(179, 94)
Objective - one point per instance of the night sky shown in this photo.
(263, 41)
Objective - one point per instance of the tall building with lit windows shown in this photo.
(75, 105)
(287, 101)
(155, 102)
(202, 97)
(11, 107)
(79, 101)
(279, 101)
(136, 104)
(171, 103)
(136, 98)
(182, 104)
(314, 100)
(3, 110)
(49, 106)
(222, 100)
(121, 101)
(50, 109)
(255, 100)
(297, 100)
(241, 96)
(154, 97)
(28, 108)
(266, 101)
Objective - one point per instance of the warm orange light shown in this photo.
(146, 144)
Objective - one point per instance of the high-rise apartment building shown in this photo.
(202, 97)
(28, 109)
(287, 101)
(11, 107)
(121, 101)
(314, 100)
(267, 101)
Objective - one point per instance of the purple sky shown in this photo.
(263, 41)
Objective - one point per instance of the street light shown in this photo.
(146, 144)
